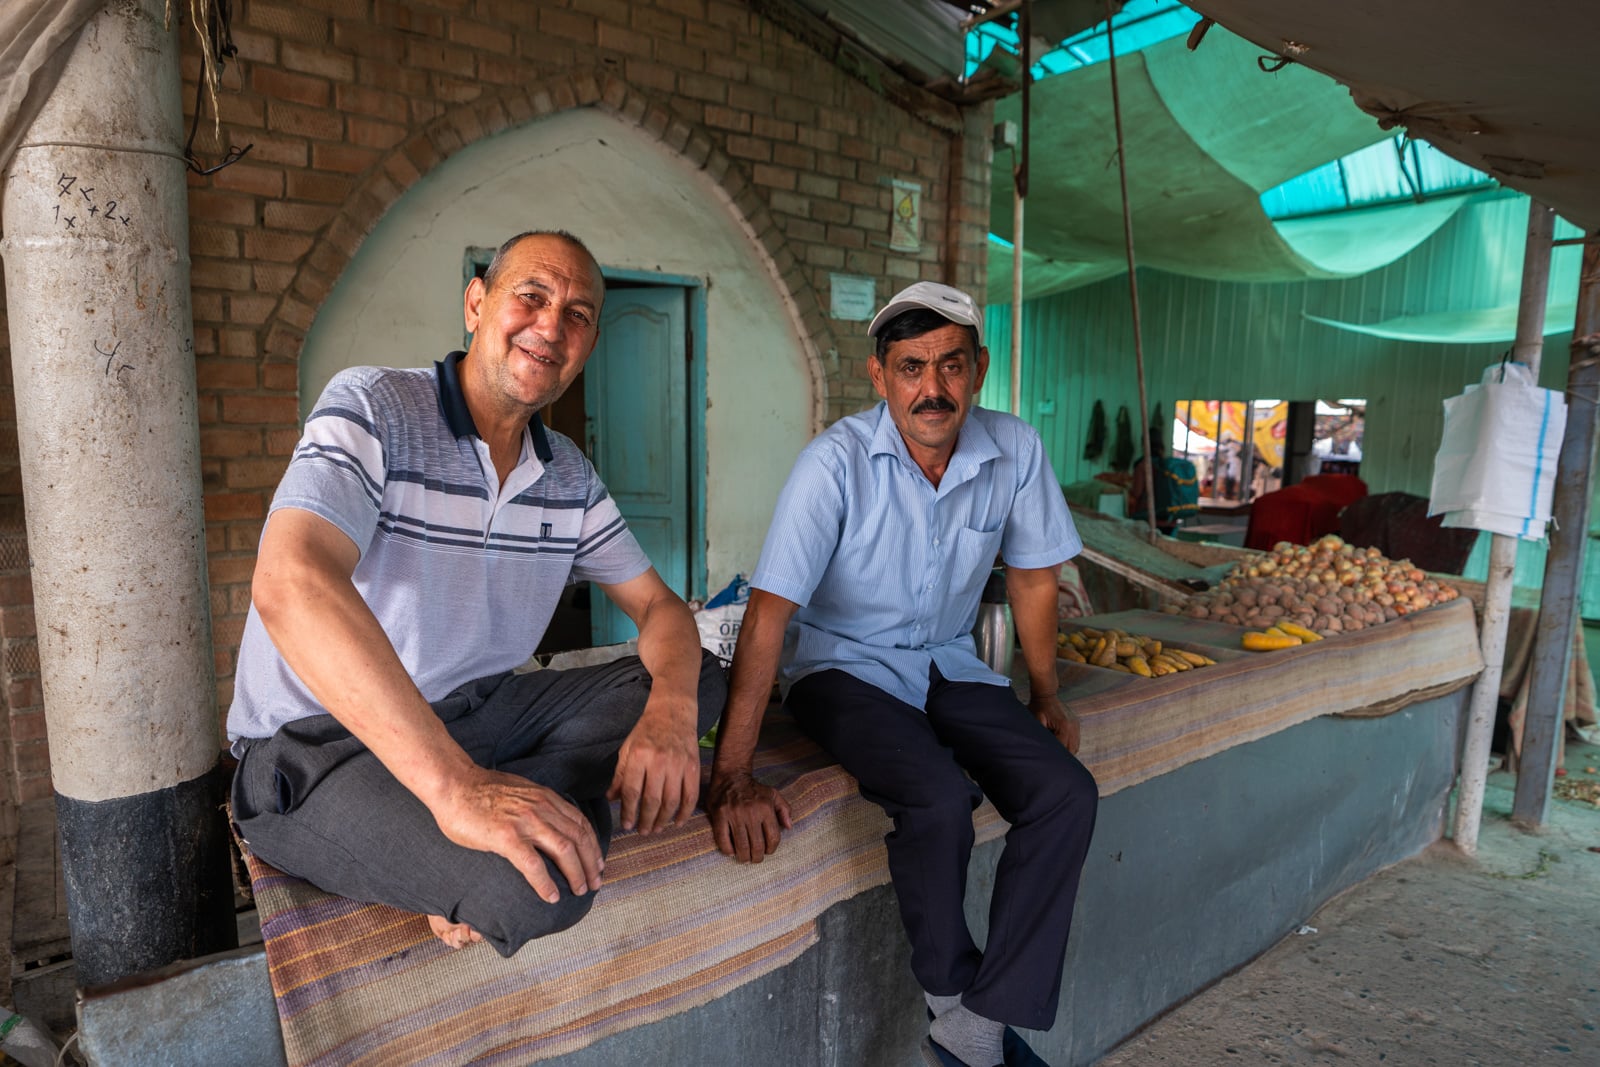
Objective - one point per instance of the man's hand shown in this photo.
(1057, 718)
(658, 767)
(526, 823)
(747, 818)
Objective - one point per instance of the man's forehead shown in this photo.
(951, 340)
(543, 259)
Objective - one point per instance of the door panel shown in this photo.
(636, 401)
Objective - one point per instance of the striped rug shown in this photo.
(678, 924)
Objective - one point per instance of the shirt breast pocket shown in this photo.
(972, 560)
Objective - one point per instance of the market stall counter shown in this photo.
(1237, 797)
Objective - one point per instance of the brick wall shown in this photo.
(349, 102)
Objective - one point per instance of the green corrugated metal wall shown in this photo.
(1241, 341)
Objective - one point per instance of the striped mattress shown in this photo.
(678, 924)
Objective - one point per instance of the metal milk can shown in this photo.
(994, 632)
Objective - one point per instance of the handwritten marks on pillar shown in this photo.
(79, 203)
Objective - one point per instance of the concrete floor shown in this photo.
(1438, 960)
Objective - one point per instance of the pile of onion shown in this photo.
(1328, 586)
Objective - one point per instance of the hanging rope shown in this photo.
(1150, 461)
(213, 28)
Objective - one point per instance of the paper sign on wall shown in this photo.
(905, 220)
(854, 297)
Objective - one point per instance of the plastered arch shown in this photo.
(497, 112)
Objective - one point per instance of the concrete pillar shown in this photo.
(97, 288)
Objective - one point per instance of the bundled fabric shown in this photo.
(1496, 465)
(1095, 445)
(1122, 450)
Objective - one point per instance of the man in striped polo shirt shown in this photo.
(413, 555)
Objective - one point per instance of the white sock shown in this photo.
(969, 1037)
(939, 1005)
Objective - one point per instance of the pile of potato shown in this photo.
(1129, 653)
(1328, 587)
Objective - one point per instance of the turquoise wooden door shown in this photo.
(636, 403)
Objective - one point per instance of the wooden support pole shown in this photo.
(1502, 552)
(1563, 572)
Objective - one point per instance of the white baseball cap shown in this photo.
(950, 302)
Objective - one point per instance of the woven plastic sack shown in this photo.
(720, 619)
(1496, 465)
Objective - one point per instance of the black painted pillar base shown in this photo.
(148, 878)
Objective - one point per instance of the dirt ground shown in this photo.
(1439, 960)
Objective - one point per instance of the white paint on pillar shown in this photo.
(638, 206)
(96, 254)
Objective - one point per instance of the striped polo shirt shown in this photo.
(462, 573)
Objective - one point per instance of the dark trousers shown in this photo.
(312, 800)
(915, 766)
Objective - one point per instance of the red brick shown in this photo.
(221, 507)
(321, 124)
(565, 24)
(774, 177)
(407, 17)
(254, 409)
(220, 443)
(294, 88)
(289, 21)
(24, 693)
(215, 205)
(34, 787)
(227, 571)
(16, 620)
(438, 56)
(28, 726)
(726, 118)
(225, 374)
(316, 60)
(652, 76)
(749, 148)
(208, 240)
(244, 536)
(375, 134)
(16, 589)
(368, 101)
(31, 758)
(319, 187)
(274, 148)
(255, 47)
(275, 247)
(342, 158)
(497, 39)
(280, 377)
(657, 23)
(219, 274)
(252, 309)
(703, 87)
(282, 442)
(250, 178)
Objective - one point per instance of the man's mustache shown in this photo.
(933, 403)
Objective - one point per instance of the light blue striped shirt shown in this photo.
(462, 572)
(888, 570)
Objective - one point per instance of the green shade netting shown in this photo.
(1207, 132)
(1479, 326)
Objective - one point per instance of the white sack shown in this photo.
(1496, 465)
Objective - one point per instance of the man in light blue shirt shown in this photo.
(866, 592)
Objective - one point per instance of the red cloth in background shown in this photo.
(1302, 513)
(1397, 524)
(1344, 489)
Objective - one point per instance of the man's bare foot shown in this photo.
(456, 935)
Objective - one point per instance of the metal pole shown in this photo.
(1247, 454)
(1563, 571)
(1502, 552)
(96, 251)
(1133, 279)
(1018, 198)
